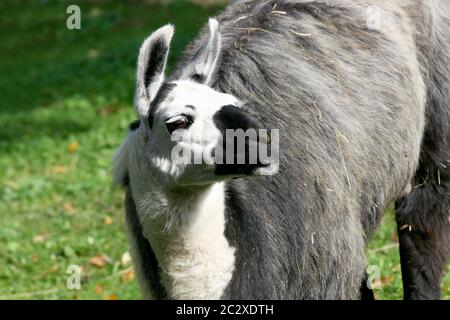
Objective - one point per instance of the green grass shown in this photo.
(65, 103)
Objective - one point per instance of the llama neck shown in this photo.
(194, 256)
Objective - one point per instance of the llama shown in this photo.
(362, 107)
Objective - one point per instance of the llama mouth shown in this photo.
(257, 169)
(247, 161)
(269, 169)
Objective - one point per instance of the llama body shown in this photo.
(363, 113)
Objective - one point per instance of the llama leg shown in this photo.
(423, 215)
(424, 235)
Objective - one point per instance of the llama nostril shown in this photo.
(232, 117)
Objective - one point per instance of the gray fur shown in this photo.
(351, 104)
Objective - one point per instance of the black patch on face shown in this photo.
(232, 117)
(235, 169)
(190, 107)
(155, 63)
(160, 96)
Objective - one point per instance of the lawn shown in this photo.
(65, 103)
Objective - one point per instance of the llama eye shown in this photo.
(178, 123)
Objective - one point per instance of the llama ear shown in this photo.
(204, 61)
(151, 65)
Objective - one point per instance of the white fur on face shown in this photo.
(200, 102)
(205, 100)
(155, 145)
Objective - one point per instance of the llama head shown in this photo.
(187, 126)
